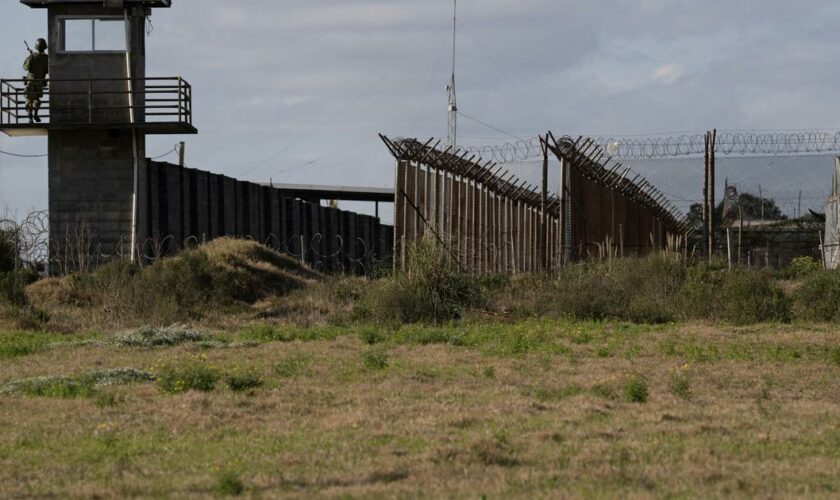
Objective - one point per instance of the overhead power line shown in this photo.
(497, 129)
(352, 102)
(16, 155)
(173, 150)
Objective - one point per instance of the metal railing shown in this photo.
(100, 101)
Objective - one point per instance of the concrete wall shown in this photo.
(773, 246)
(91, 172)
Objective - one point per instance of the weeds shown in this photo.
(192, 373)
(372, 336)
(375, 359)
(148, 336)
(292, 365)
(285, 333)
(635, 390)
(229, 484)
(680, 383)
(242, 380)
(82, 386)
(108, 399)
(430, 289)
(558, 394)
(496, 451)
(819, 297)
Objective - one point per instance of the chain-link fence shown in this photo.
(770, 189)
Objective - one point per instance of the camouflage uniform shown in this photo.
(37, 66)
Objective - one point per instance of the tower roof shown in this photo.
(42, 4)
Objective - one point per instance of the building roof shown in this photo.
(42, 4)
(343, 193)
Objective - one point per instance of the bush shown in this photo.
(157, 337)
(636, 390)
(633, 289)
(818, 299)
(13, 285)
(680, 384)
(375, 359)
(82, 386)
(430, 289)
(496, 451)
(229, 484)
(803, 267)
(242, 380)
(740, 297)
(291, 365)
(8, 251)
(26, 317)
(372, 335)
(193, 373)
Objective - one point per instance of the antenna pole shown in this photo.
(452, 126)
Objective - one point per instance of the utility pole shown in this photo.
(799, 207)
(761, 200)
(709, 194)
(181, 153)
(452, 125)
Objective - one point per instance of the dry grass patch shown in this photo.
(322, 423)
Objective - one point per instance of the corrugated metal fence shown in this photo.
(187, 206)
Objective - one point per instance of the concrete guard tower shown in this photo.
(98, 107)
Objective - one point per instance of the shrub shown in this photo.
(635, 390)
(430, 289)
(52, 387)
(288, 333)
(81, 386)
(291, 365)
(372, 336)
(148, 336)
(193, 373)
(496, 451)
(818, 299)
(803, 267)
(108, 399)
(740, 297)
(633, 289)
(13, 285)
(26, 317)
(680, 385)
(375, 359)
(229, 484)
(8, 251)
(242, 380)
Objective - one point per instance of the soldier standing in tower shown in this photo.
(37, 66)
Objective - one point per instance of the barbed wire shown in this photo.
(728, 143)
(76, 251)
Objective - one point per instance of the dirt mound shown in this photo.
(257, 270)
(190, 285)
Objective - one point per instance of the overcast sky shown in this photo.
(297, 90)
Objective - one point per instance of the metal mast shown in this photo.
(452, 125)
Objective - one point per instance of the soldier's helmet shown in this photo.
(41, 45)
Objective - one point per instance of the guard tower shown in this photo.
(97, 109)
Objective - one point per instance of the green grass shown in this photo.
(507, 410)
(182, 375)
(16, 344)
(87, 385)
(289, 333)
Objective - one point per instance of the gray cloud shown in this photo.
(319, 79)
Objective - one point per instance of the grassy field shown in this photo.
(525, 408)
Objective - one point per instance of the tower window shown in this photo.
(100, 34)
